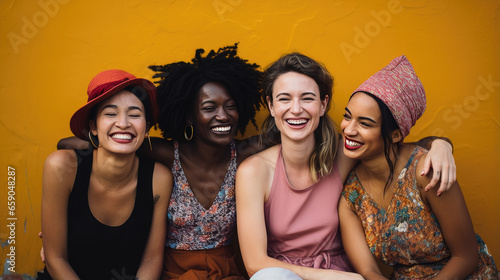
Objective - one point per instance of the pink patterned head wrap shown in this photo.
(399, 88)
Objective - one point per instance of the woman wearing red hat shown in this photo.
(104, 211)
(384, 212)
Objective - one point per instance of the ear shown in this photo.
(93, 127)
(396, 136)
(270, 105)
(324, 104)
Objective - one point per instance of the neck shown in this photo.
(378, 167)
(296, 154)
(113, 168)
(207, 154)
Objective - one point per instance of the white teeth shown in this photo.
(221, 128)
(352, 143)
(122, 136)
(296, 121)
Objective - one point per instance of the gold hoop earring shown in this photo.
(91, 141)
(185, 132)
(149, 140)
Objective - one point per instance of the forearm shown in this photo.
(306, 273)
(150, 269)
(457, 268)
(426, 142)
(60, 269)
(373, 275)
(309, 273)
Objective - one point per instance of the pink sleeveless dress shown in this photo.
(303, 225)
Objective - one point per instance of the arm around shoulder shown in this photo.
(73, 143)
(161, 150)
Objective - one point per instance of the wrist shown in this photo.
(445, 141)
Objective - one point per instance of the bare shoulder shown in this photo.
(258, 170)
(261, 161)
(162, 179)
(162, 172)
(59, 170)
(62, 161)
(254, 177)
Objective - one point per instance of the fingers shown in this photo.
(445, 184)
(435, 179)
(42, 255)
(426, 168)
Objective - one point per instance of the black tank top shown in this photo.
(97, 251)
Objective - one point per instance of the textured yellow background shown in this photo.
(49, 51)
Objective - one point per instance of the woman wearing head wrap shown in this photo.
(384, 213)
(287, 195)
(104, 210)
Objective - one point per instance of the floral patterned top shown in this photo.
(407, 235)
(190, 225)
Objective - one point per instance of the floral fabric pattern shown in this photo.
(407, 235)
(190, 225)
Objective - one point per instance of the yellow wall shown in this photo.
(50, 49)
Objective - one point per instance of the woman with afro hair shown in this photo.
(203, 104)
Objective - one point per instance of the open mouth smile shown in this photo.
(221, 129)
(352, 145)
(122, 137)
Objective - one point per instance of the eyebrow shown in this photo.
(116, 107)
(303, 94)
(210, 102)
(361, 118)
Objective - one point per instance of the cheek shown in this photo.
(235, 115)
(343, 125)
(141, 125)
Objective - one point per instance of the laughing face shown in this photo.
(215, 115)
(120, 124)
(296, 106)
(361, 128)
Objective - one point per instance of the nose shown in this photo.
(296, 107)
(348, 127)
(222, 115)
(122, 121)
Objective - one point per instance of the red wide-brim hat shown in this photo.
(103, 86)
